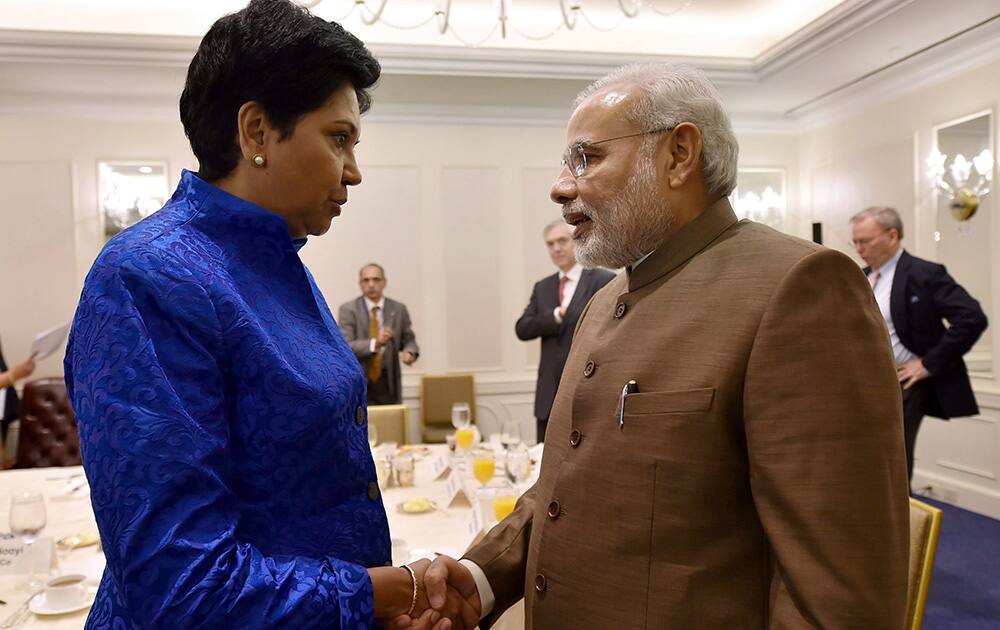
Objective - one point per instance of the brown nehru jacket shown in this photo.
(759, 480)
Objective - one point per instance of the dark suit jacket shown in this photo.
(538, 321)
(10, 407)
(353, 319)
(922, 295)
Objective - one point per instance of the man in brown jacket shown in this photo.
(725, 449)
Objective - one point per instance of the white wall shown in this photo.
(453, 212)
(876, 157)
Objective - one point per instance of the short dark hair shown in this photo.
(277, 54)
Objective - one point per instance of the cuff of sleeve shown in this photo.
(555, 313)
(371, 346)
(486, 598)
(351, 586)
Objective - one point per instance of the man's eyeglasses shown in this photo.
(575, 156)
(865, 242)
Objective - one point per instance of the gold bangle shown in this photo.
(413, 576)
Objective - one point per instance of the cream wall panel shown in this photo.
(537, 211)
(37, 241)
(472, 262)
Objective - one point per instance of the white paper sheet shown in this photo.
(49, 341)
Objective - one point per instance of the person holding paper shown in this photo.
(9, 404)
(221, 413)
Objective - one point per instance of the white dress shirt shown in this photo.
(572, 280)
(883, 293)
(380, 316)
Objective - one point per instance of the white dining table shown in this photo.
(444, 530)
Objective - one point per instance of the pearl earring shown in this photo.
(258, 160)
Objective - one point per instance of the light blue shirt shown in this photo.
(883, 294)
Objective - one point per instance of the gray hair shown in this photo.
(885, 216)
(677, 93)
(548, 228)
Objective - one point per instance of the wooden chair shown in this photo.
(392, 422)
(925, 527)
(437, 395)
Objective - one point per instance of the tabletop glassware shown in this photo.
(504, 501)
(372, 434)
(461, 415)
(464, 439)
(518, 463)
(27, 520)
(510, 433)
(483, 465)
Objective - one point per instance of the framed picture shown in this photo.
(130, 191)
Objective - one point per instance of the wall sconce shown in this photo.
(965, 189)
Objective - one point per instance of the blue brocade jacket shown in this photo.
(223, 428)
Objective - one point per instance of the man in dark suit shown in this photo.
(555, 306)
(380, 343)
(9, 407)
(915, 295)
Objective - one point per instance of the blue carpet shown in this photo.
(965, 587)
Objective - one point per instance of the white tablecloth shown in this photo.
(434, 531)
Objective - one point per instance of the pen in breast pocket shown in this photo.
(630, 388)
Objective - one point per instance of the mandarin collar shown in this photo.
(682, 246)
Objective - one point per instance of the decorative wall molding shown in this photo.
(832, 28)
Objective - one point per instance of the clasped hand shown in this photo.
(448, 598)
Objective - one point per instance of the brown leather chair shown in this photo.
(48, 435)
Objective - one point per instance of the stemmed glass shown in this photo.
(510, 434)
(461, 415)
(27, 520)
(483, 465)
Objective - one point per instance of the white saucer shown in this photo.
(39, 606)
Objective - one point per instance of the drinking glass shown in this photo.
(504, 501)
(461, 415)
(27, 519)
(483, 465)
(372, 434)
(518, 463)
(464, 438)
(510, 433)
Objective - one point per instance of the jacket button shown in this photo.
(554, 510)
(540, 583)
(373, 490)
(589, 369)
(620, 310)
(359, 415)
(575, 437)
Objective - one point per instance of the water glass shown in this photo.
(518, 464)
(510, 433)
(27, 520)
(461, 415)
(404, 467)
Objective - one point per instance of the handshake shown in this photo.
(446, 597)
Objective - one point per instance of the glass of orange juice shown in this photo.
(504, 501)
(483, 465)
(464, 438)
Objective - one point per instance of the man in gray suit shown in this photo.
(381, 336)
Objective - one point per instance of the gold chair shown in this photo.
(925, 526)
(392, 422)
(437, 395)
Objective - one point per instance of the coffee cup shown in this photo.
(66, 591)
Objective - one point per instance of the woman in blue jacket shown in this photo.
(222, 415)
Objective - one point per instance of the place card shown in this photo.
(440, 465)
(17, 558)
(454, 490)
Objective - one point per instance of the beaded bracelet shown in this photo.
(413, 576)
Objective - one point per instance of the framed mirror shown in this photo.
(963, 158)
(760, 196)
(129, 192)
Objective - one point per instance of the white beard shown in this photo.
(627, 230)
